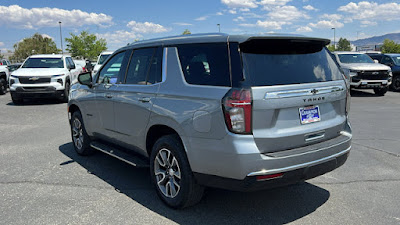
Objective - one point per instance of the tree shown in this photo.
(186, 31)
(85, 45)
(343, 45)
(389, 46)
(37, 44)
(331, 48)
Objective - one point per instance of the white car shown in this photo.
(4, 74)
(43, 76)
(100, 60)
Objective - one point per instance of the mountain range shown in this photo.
(376, 40)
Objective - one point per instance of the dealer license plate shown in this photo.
(309, 114)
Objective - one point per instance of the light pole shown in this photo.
(219, 27)
(62, 50)
(334, 38)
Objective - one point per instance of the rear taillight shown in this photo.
(237, 106)
(348, 97)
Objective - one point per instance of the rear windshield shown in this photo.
(355, 58)
(102, 58)
(284, 62)
(43, 63)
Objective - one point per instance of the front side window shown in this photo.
(110, 71)
(43, 63)
(205, 64)
(103, 58)
(396, 60)
(139, 66)
(387, 60)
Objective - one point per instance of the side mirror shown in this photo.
(376, 61)
(85, 79)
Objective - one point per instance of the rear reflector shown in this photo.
(269, 177)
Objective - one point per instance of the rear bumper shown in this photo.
(37, 92)
(250, 183)
(237, 158)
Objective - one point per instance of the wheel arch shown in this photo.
(156, 131)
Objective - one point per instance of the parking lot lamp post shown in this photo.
(62, 50)
(334, 38)
(219, 27)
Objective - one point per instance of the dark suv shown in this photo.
(236, 112)
(393, 61)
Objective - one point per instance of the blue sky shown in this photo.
(121, 22)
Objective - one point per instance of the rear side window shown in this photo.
(205, 64)
(283, 62)
(145, 66)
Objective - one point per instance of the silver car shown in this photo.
(215, 110)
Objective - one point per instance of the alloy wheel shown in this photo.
(77, 133)
(168, 173)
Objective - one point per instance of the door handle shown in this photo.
(109, 95)
(144, 99)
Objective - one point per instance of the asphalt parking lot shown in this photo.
(43, 180)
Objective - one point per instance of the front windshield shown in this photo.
(396, 60)
(43, 63)
(102, 58)
(355, 58)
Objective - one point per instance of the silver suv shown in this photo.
(237, 112)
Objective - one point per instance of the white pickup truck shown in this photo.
(43, 76)
(4, 74)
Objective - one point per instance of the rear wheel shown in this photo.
(172, 175)
(3, 86)
(396, 83)
(381, 91)
(80, 138)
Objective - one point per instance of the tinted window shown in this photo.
(155, 67)
(205, 64)
(289, 63)
(102, 59)
(396, 60)
(110, 71)
(387, 60)
(43, 63)
(139, 66)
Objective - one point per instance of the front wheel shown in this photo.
(3, 86)
(396, 83)
(80, 138)
(66, 92)
(172, 175)
(381, 91)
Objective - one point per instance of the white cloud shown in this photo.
(274, 2)
(247, 25)
(232, 11)
(1, 44)
(183, 24)
(244, 10)
(146, 27)
(287, 13)
(309, 8)
(274, 25)
(240, 3)
(47, 36)
(240, 18)
(304, 29)
(201, 18)
(331, 16)
(367, 23)
(34, 18)
(372, 11)
(119, 37)
(326, 24)
(219, 14)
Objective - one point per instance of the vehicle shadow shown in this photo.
(28, 102)
(276, 206)
(363, 93)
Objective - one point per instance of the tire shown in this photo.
(66, 92)
(381, 91)
(80, 139)
(395, 83)
(171, 174)
(3, 86)
(16, 100)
